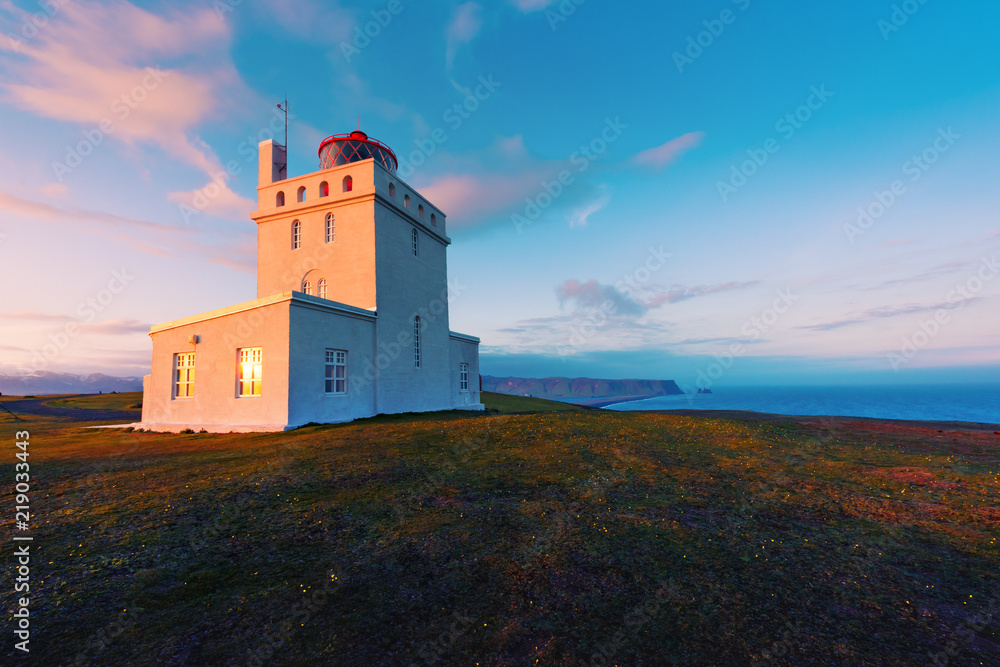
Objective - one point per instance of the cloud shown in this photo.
(322, 22)
(883, 312)
(668, 153)
(104, 65)
(116, 327)
(593, 294)
(580, 216)
(528, 6)
(678, 293)
(51, 213)
(53, 191)
(35, 316)
(469, 199)
(216, 198)
(466, 20)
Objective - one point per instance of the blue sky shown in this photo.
(718, 160)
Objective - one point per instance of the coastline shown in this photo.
(610, 400)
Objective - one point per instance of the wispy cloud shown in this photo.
(466, 20)
(581, 215)
(679, 293)
(528, 6)
(883, 312)
(666, 154)
(318, 21)
(593, 294)
(116, 327)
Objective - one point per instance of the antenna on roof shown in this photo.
(284, 107)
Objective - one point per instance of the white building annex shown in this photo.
(351, 315)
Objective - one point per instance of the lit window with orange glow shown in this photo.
(250, 372)
(184, 375)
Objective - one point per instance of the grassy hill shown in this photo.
(554, 538)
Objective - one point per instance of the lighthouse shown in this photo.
(351, 317)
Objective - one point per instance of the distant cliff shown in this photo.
(578, 388)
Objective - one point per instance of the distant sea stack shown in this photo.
(578, 388)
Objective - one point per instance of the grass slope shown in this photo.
(121, 401)
(556, 538)
(510, 404)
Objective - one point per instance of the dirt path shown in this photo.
(39, 407)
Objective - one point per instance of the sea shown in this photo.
(932, 402)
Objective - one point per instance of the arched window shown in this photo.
(406, 201)
(296, 234)
(348, 183)
(307, 288)
(301, 197)
(416, 342)
(330, 229)
(392, 190)
(420, 211)
(434, 220)
(324, 189)
(322, 288)
(416, 242)
(279, 199)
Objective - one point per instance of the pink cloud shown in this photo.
(668, 153)
(467, 199)
(101, 65)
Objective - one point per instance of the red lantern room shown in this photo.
(341, 149)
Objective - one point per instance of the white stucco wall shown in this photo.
(410, 286)
(215, 405)
(318, 325)
(465, 349)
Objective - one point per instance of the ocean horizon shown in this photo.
(925, 402)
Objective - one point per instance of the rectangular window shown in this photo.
(184, 375)
(251, 365)
(463, 377)
(336, 372)
(416, 243)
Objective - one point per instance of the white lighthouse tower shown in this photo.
(351, 315)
